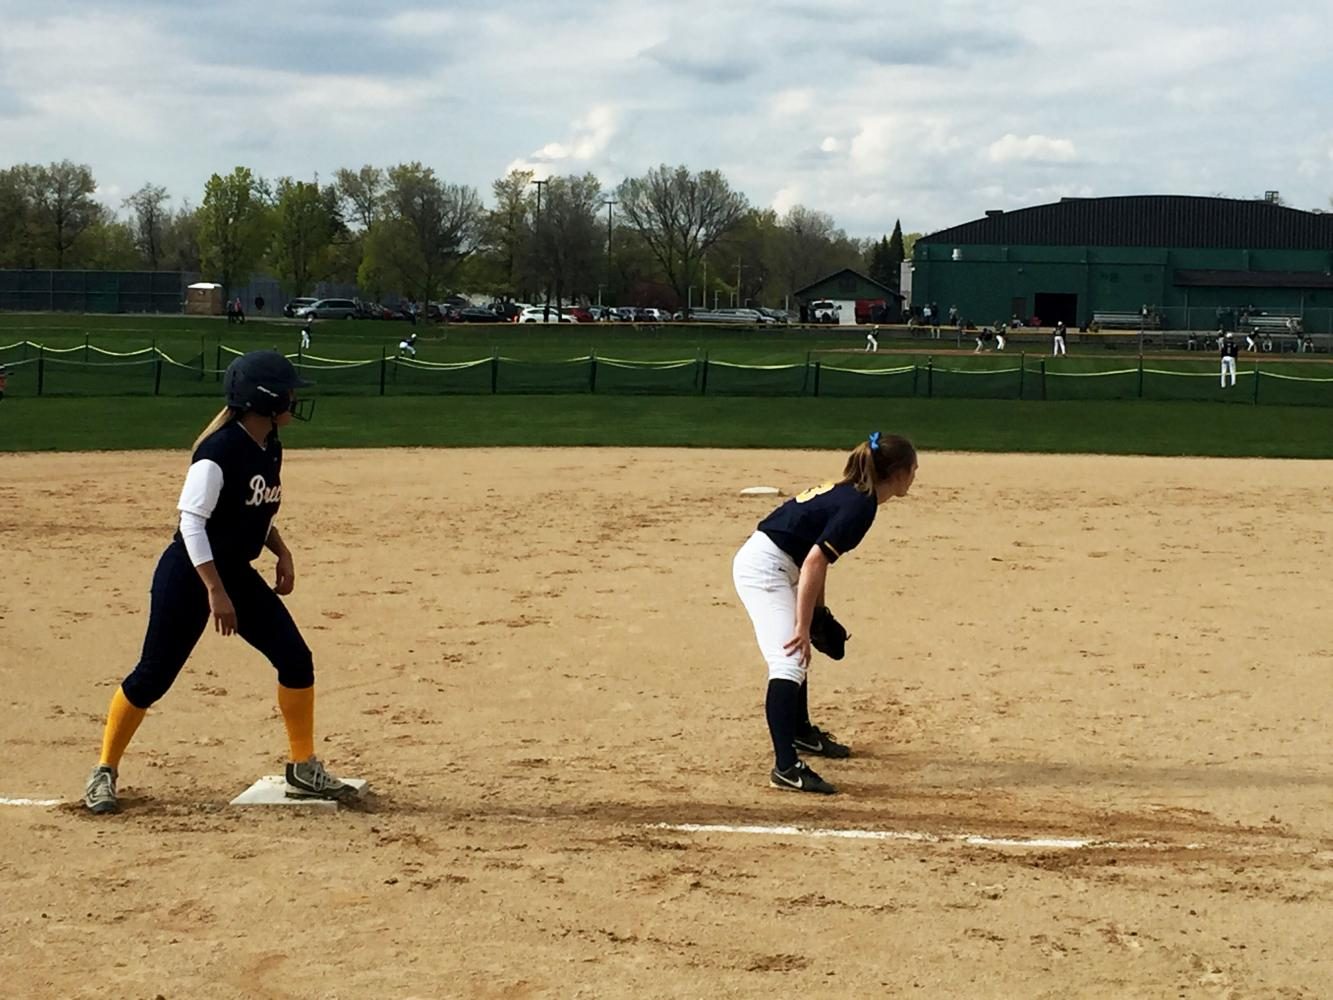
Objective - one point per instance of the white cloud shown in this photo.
(591, 135)
(1038, 148)
(791, 103)
(785, 199)
(831, 144)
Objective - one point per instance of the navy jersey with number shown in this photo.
(835, 516)
(1230, 349)
(250, 496)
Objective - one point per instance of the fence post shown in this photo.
(592, 371)
(217, 363)
(1256, 381)
(817, 368)
(1022, 371)
(41, 368)
(703, 381)
(916, 370)
(930, 377)
(157, 373)
(85, 348)
(1043, 379)
(495, 371)
(384, 365)
(1140, 375)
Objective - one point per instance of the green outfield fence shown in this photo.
(93, 291)
(35, 370)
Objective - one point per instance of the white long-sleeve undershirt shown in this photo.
(199, 497)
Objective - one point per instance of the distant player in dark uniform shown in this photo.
(232, 493)
(779, 575)
(1228, 348)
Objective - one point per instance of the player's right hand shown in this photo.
(224, 614)
(799, 645)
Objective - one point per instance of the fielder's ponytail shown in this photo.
(224, 416)
(876, 459)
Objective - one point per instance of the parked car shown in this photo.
(580, 314)
(289, 310)
(651, 315)
(825, 311)
(537, 314)
(776, 315)
(328, 309)
(475, 314)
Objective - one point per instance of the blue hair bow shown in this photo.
(874, 440)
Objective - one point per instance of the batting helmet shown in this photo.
(262, 382)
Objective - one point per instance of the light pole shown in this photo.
(608, 202)
(546, 309)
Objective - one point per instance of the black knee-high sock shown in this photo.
(803, 723)
(782, 707)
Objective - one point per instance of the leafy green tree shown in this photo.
(568, 240)
(234, 227)
(149, 218)
(16, 243)
(361, 195)
(61, 207)
(180, 240)
(427, 229)
(507, 235)
(306, 221)
(680, 216)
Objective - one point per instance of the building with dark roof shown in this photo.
(1195, 262)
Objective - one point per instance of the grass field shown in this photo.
(1132, 427)
(1058, 424)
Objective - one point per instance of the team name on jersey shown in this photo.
(262, 493)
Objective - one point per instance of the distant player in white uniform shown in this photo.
(872, 342)
(305, 331)
(1059, 339)
(1229, 349)
(408, 346)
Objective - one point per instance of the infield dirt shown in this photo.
(536, 655)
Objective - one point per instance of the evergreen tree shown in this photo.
(895, 254)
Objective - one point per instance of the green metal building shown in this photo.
(1195, 262)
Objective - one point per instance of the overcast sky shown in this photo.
(870, 110)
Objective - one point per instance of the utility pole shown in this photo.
(608, 202)
(738, 282)
(546, 309)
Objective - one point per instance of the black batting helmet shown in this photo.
(262, 382)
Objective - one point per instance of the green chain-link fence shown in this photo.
(34, 370)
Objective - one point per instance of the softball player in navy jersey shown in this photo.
(779, 574)
(231, 495)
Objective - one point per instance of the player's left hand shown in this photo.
(285, 580)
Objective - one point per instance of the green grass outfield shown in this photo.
(1129, 427)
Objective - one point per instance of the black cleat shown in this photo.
(820, 744)
(799, 778)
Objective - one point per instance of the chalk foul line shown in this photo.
(45, 803)
(967, 839)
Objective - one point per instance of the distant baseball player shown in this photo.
(1058, 338)
(779, 574)
(306, 327)
(231, 495)
(408, 345)
(872, 341)
(1229, 349)
(999, 336)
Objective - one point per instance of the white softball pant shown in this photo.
(765, 579)
(1228, 366)
(1060, 346)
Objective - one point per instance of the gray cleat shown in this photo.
(307, 779)
(100, 794)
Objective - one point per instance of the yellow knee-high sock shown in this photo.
(122, 721)
(298, 713)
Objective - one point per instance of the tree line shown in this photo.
(672, 237)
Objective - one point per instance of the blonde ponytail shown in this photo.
(223, 417)
(876, 459)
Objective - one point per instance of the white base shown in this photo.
(271, 790)
(761, 491)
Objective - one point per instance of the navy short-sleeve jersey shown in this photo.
(251, 492)
(835, 516)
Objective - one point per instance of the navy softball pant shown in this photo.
(179, 613)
